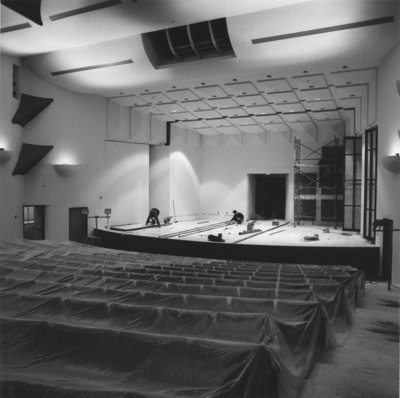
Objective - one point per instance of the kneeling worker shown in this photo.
(237, 217)
(153, 217)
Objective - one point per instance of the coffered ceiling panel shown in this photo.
(272, 85)
(257, 99)
(293, 107)
(240, 88)
(311, 94)
(155, 97)
(207, 114)
(309, 81)
(332, 115)
(296, 117)
(195, 105)
(170, 107)
(225, 102)
(268, 119)
(320, 105)
(182, 95)
(210, 91)
(260, 110)
(235, 111)
(237, 121)
(282, 96)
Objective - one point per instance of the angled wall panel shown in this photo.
(29, 156)
(29, 107)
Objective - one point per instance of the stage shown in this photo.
(276, 241)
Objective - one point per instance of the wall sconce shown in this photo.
(391, 163)
(65, 169)
(5, 156)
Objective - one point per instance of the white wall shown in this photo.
(11, 187)
(225, 184)
(109, 174)
(388, 198)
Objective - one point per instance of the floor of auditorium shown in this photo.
(367, 364)
(264, 233)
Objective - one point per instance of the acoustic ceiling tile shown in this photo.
(247, 100)
(197, 105)
(155, 97)
(272, 85)
(310, 81)
(183, 94)
(234, 111)
(240, 88)
(315, 94)
(211, 91)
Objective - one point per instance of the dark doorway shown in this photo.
(78, 224)
(33, 222)
(271, 196)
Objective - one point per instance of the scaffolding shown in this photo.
(318, 183)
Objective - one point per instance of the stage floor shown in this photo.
(265, 233)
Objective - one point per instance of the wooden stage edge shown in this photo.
(364, 258)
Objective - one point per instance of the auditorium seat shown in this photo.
(93, 322)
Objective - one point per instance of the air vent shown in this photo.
(197, 41)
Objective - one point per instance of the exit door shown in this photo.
(271, 196)
(33, 220)
(78, 220)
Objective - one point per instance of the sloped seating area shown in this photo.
(82, 321)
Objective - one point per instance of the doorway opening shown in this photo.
(33, 219)
(270, 196)
(78, 224)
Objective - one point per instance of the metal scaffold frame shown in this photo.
(310, 171)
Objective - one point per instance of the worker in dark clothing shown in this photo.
(153, 217)
(237, 217)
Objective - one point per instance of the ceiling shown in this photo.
(298, 65)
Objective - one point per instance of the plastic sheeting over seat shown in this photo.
(93, 323)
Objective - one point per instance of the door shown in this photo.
(78, 220)
(271, 196)
(33, 220)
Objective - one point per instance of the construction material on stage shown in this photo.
(167, 220)
(215, 238)
(203, 222)
(311, 238)
(130, 227)
(250, 228)
(193, 231)
(326, 230)
(275, 222)
(86, 321)
(277, 232)
(261, 232)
